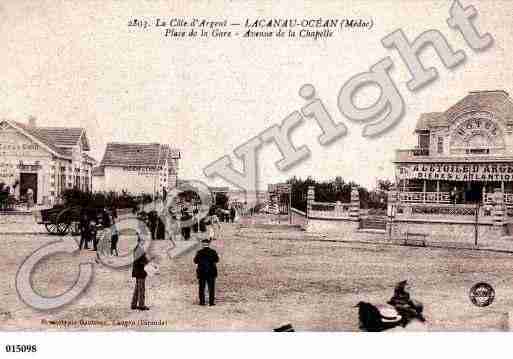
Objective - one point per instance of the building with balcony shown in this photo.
(461, 171)
(48, 160)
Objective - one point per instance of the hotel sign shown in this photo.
(458, 172)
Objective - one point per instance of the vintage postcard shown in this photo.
(288, 166)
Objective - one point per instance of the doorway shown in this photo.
(474, 192)
(28, 180)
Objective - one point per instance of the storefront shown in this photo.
(137, 168)
(461, 171)
(46, 160)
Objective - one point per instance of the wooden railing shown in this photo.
(410, 153)
(508, 198)
(330, 209)
(443, 210)
(424, 197)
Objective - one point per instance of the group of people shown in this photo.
(89, 229)
(206, 259)
(227, 215)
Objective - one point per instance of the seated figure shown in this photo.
(405, 306)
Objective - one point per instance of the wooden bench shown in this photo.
(418, 240)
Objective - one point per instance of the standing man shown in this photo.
(206, 271)
(114, 238)
(92, 234)
(232, 213)
(139, 273)
(84, 223)
(186, 229)
(30, 197)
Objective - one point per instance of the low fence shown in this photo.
(329, 210)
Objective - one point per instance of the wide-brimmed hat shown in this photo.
(388, 313)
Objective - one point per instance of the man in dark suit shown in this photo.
(206, 271)
(186, 229)
(84, 228)
(138, 272)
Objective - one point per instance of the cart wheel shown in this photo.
(51, 228)
(63, 228)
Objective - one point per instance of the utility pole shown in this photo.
(476, 225)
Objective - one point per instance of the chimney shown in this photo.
(32, 121)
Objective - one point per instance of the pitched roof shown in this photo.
(63, 136)
(431, 119)
(138, 154)
(494, 101)
(58, 139)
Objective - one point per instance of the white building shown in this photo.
(46, 159)
(137, 168)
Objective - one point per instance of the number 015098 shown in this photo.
(18, 348)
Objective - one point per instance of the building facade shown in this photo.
(458, 180)
(47, 160)
(137, 168)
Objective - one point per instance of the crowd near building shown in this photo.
(137, 168)
(459, 178)
(43, 160)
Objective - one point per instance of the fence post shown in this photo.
(310, 198)
(498, 211)
(391, 211)
(354, 212)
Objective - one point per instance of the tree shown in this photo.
(385, 184)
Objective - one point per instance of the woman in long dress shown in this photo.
(213, 223)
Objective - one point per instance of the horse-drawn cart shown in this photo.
(59, 220)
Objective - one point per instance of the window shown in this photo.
(440, 144)
(424, 140)
(478, 151)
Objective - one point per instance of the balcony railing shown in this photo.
(411, 153)
(424, 197)
(443, 211)
(444, 197)
(508, 198)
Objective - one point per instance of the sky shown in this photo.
(77, 63)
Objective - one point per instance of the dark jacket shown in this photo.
(400, 297)
(139, 263)
(206, 259)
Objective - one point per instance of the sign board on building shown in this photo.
(143, 171)
(457, 172)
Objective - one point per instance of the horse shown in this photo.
(381, 317)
